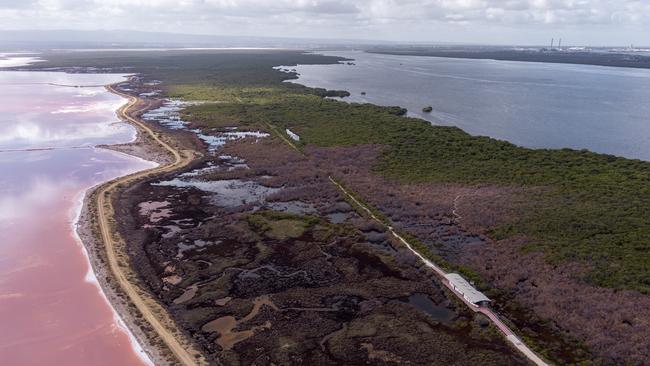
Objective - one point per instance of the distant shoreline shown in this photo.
(555, 57)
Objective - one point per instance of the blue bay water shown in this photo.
(537, 105)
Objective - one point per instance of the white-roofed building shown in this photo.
(293, 135)
(468, 291)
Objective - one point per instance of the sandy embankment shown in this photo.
(143, 339)
(96, 272)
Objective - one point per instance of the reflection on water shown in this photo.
(293, 207)
(216, 141)
(226, 193)
(37, 115)
(51, 312)
(169, 115)
(603, 109)
(338, 217)
(423, 303)
(17, 59)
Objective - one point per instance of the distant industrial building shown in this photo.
(293, 135)
(460, 285)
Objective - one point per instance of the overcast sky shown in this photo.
(578, 22)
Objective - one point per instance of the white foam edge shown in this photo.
(90, 275)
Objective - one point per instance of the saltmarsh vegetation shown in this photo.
(281, 226)
(583, 207)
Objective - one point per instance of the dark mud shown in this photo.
(267, 264)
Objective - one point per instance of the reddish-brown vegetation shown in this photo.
(331, 293)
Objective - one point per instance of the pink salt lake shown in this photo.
(52, 311)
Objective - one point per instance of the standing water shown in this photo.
(52, 311)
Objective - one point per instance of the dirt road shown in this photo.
(117, 259)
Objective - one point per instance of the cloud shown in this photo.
(42, 191)
(323, 17)
(515, 11)
(12, 4)
(27, 134)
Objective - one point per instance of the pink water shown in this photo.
(51, 310)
